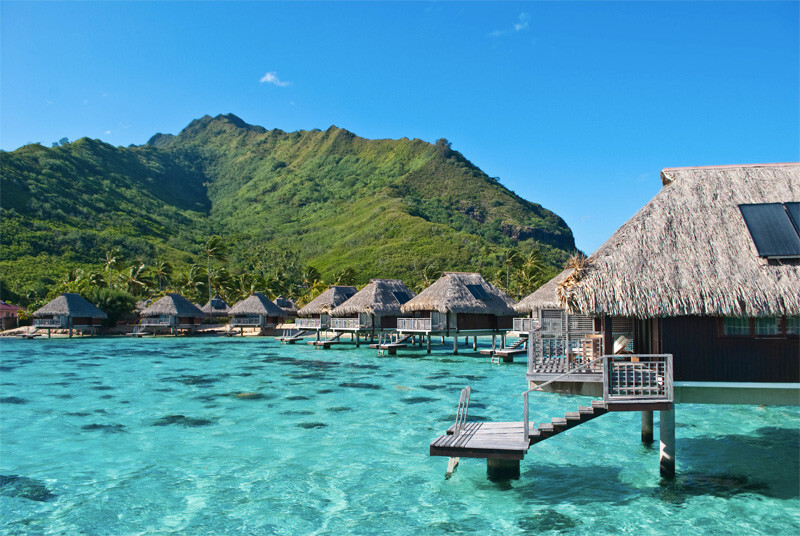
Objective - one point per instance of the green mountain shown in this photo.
(332, 200)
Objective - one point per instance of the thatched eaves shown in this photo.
(454, 292)
(689, 252)
(175, 305)
(70, 304)
(287, 304)
(257, 304)
(328, 300)
(382, 297)
(545, 297)
(216, 307)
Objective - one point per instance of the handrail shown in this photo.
(525, 424)
(461, 412)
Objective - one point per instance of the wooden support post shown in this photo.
(442, 339)
(452, 463)
(318, 331)
(358, 340)
(466, 341)
(70, 332)
(475, 343)
(666, 432)
(502, 469)
(455, 344)
(429, 343)
(494, 342)
(647, 427)
(503, 340)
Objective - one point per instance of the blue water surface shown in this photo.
(245, 436)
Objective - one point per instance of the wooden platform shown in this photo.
(497, 440)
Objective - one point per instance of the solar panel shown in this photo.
(477, 292)
(771, 229)
(401, 296)
(794, 213)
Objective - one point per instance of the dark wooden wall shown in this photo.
(701, 353)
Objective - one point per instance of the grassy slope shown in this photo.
(384, 208)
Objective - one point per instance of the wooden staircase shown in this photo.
(570, 420)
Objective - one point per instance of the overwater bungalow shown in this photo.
(373, 309)
(216, 308)
(9, 313)
(69, 312)
(703, 281)
(172, 313)
(458, 304)
(257, 312)
(316, 316)
(288, 305)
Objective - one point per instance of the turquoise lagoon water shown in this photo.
(232, 436)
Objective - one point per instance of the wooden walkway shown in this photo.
(498, 440)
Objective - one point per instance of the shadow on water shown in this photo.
(553, 484)
(25, 488)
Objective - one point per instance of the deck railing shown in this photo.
(48, 323)
(245, 321)
(154, 321)
(526, 324)
(348, 323)
(420, 324)
(637, 378)
(308, 323)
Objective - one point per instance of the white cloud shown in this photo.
(272, 78)
(108, 132)
(523, 21)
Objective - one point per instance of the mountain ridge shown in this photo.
(379, 208)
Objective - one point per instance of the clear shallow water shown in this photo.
(232, 436)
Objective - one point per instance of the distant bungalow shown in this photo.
(316, 316)
(71, 312)
(373, 309)
(172, 313)
(458, 304)
(288, 305)
(7, 312)
(256, 311)
(216, 308)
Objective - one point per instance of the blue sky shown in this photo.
(573, 105)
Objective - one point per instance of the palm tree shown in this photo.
(511, 258)
(134, 279)
(162, 269)
(217, 249)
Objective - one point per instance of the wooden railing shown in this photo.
(419, 324)
(462, 411)
(146, 321)
(348, 323)
(308, 323)
(245, 321)
(49, 323)
(526, 324)
(637, 378)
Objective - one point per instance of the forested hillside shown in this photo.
(293, 211)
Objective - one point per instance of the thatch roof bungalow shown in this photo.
(317, 314)
(288, 305)
(373, 308)
(459, 302)
(693, 274)
(68, 311)
(256, 311)
(173, 312)
(216, 307)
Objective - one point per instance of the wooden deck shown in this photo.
(498, 440)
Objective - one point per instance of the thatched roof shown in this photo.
(175, 305)
(69, 304)
(216, 307)
(328, 300)
(380, 297)
(458, 292)
(689, 252)
(287, 304)
(545, 297)
(257, 304)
